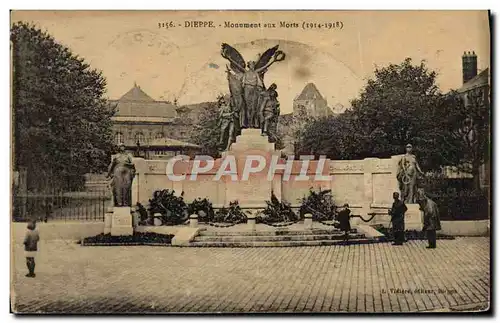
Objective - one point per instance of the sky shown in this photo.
(185, 63)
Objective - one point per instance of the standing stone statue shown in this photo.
(408, 169)
(122, 172)
(247, 82)
(269, 112)
(226, 123)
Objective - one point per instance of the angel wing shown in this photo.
(232, 55)
(266, 57)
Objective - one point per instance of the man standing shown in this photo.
(432, 222)
(397, 213)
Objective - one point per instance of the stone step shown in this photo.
(253, 140)
(251, 244)
(270, 232)
(275, 238)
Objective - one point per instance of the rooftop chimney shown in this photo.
(469, 66)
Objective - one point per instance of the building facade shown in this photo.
(309, 104)
(142, 123)
(476, 84)
(312, 102)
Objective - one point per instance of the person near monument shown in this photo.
(343, 218)
(121, 170)
(432, 222)
(226, 123)
(31, 247)
(397, 213)
(408, 169)
(269, 112)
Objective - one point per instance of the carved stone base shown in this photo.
(254, 191)
(121, 222)
(108, 216)
(251, 139)
(413, 217)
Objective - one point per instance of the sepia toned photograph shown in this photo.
(242, 162)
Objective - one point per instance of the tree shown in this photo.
(336, 137)
(466, 130)
(397, 106)
(62, 122)
(293, 128)
(206, 132)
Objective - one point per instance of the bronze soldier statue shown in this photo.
(269, 112)
(226, 125)
(247, 82)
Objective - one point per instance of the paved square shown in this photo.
(360, 278)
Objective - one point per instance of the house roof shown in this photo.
(136, 103)
(136, 94)
(479, 80)
(310, 92)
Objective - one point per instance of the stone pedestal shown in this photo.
(251, 139)
(254, 191)
(121, 222)
(107, 222)
(193, 220)
(413, 217)
(251, 222)
(308, 221)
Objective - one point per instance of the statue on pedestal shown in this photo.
(408, 169)
(226, 124)
(269, 112)
(247, 83)
(121, 170)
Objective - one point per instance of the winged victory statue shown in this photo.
(246, 83)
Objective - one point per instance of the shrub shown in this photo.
(462, 205)
(456, 198)
(277, 211)
(232, 214)
(320, 204)
(172, 208)
(202, 207)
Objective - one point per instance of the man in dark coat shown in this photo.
(397, 213)
(432, 222)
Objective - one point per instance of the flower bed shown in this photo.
(137, 239)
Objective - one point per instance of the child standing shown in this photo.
(30, 247)
(343, 218)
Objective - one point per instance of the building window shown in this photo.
(159, 135)
(139, 137)
(118, 138)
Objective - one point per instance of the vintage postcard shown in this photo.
(250, 162)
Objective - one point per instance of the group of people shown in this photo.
(431, 222)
